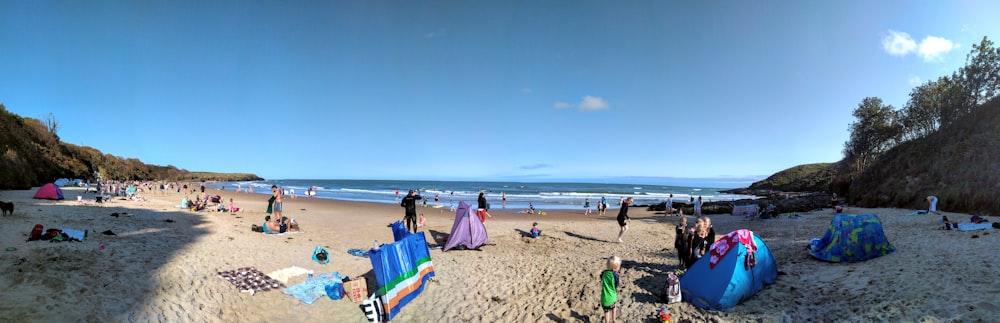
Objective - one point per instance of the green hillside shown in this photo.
(801, 178)
(960, 164)
(31, 154)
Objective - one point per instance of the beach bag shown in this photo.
(335, 291)
(36, 233)
(671, 290)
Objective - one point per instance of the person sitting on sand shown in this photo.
(535, 231)
(421, 221)
(233, 208)
(276, 226)
(770, 211)
(531, 208)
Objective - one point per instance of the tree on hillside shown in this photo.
(981, 74)
(922, 114)
(51, 123)
(875, 131)
(932, 105)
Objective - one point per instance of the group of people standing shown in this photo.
(693, 242)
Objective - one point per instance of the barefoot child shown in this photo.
(535, 231)
(609, 289)
(421, 221)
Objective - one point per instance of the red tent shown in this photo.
(49, 191)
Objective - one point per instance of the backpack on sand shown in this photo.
(36, 233)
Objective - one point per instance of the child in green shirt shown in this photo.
(609, 288)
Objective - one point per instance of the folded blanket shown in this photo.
(312, 289)
(250, 279)
(284, 274)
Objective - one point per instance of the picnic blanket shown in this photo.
(312, 289)
(250, 279)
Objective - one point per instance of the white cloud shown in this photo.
(589, 103)
(915, 80)
(931, 48)
(898, 43)
(593, 103)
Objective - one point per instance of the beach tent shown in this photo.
(468, 230)
(737, 266)
(852, 238)
(49, 191)
(62, 182)
(402, 269)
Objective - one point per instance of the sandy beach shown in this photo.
(153, 269)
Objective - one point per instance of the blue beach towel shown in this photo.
(313, 289)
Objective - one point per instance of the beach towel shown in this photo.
(250, 279)
(74, 234)
(284, 274)
(728, 242)
(313, 289)
(358, 252)
(272, 233)
(973, 226)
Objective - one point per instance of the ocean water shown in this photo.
(519, 194)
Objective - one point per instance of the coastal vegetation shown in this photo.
(945, 142)
(801, 178)
(32, 154)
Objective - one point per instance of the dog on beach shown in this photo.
(7, 207)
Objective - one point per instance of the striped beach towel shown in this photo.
(402, 270)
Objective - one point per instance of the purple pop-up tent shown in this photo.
(468, 230)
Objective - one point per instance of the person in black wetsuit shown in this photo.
(410, 203)
(623, 218)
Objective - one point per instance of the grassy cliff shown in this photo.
(31, 155)
(802, 178)
(959, 164)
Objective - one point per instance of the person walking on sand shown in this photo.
(603, 207)
(586, 206)
(933, 200)
(697, 207)
(410, 204)
(669, 206)
(623, 218)
(482, 211)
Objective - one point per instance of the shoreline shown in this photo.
(154, 270)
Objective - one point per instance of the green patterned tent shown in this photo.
(852, 238)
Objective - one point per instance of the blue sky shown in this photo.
(474, 89)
